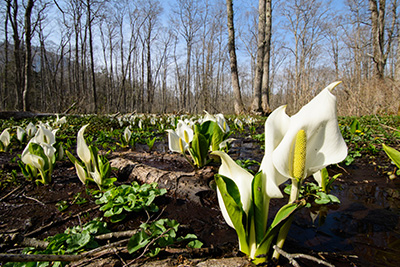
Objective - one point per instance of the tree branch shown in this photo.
(292, 257)
(45, 257)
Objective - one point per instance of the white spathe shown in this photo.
(82, 148)
(183, 134)
(325, 144)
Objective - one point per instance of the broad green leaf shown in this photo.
(138, 241)
(200, 149)
(333, 199)
(260, 211)
(24, 170)
(231, 196)
(207, 128)
(195, 244)
(217, 137)
(355, 125)
(78, 241)
(281, 217)
(322, 198)
(393, 154)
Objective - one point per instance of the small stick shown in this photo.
(288, 256)
(58, 221)
(10, 193)
(128, 233)
(34, 199)
(147, 247)
(50, 257)
(291, 257)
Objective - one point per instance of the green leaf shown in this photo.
(200, 149)
(231, 197)
(78, 241)
(138, 241)
(24, 170)
(260, 209)
(71, 157)
(324, 179)
(217, 137)
(206, 128)
(322, 198)
(355, 125)
(333, 199)
(117, 218)
(284, 214)
(393, 154)
(195, 244)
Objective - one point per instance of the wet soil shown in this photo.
(362, 231)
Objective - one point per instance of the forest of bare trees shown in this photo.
(108, 56)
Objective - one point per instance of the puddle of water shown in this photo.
(365, 224)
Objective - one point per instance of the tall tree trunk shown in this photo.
(17, 55)
(6, 63)
(256, 106)
(267, 58)
(380, 46)
(187, 87)
(28, 57)
(150, 89)
(238, 105)
(89, 25)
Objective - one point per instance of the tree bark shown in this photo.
(380, 46)
(17, 55)
(265, 88)
(28, 57)
(4, 95)
(256, 106)
(89, 25)
(238, 105)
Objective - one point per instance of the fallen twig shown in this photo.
(147, 247)
(34, 199)
(121, 234)
(292, 257)
(48, 257)
(22, 241)
(59, 220)
(10, 193)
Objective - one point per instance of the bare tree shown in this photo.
(256, 105)
(13, 16)
(6, 83)
(28, 56)
(238, 104)
(186, 19)
(89, 23)
(380, 46)
(304, 20)
(265, 91)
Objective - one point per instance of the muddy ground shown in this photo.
(362, 231)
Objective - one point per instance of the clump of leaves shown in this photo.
(159, 234)
(318, 193)
(62, 205)
(150, 142)
(247, 164)
(7, 178)
(72, 241)
(129, 198)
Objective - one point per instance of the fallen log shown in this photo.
(184, 185)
